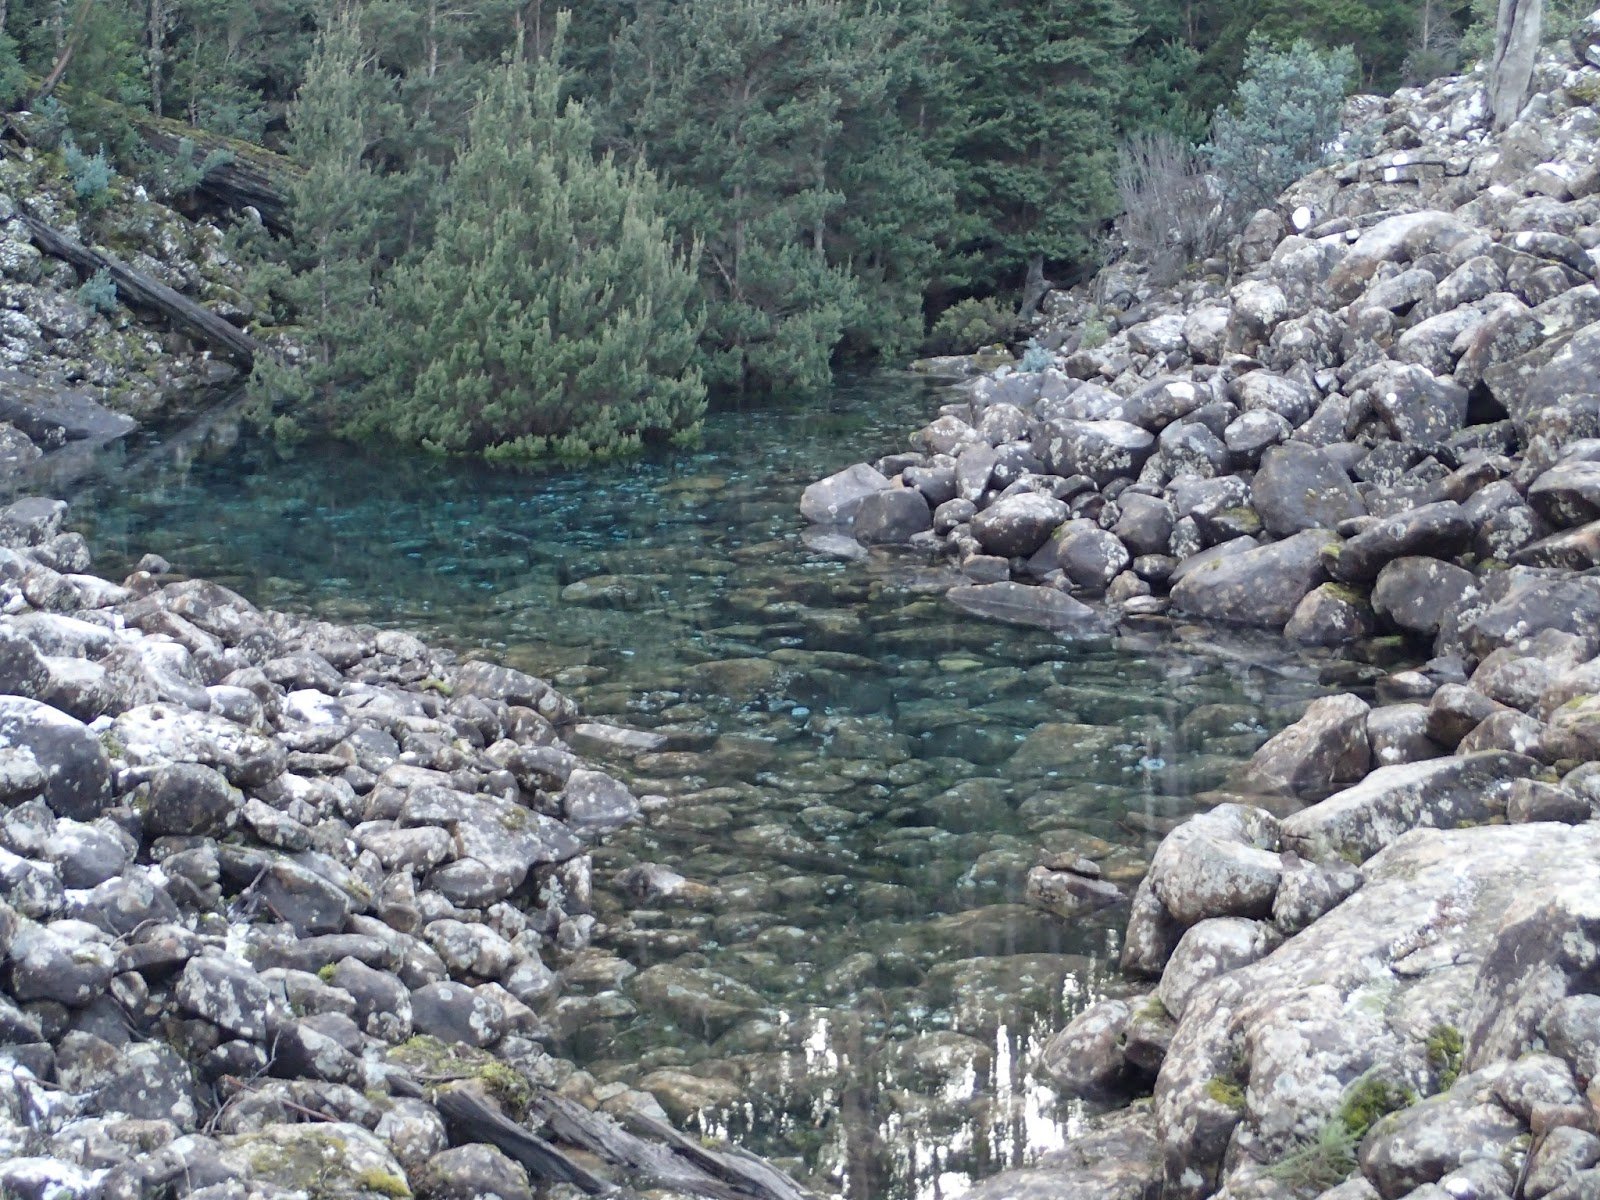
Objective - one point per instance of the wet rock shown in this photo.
(1298, 487)
(1067, 893)
(892, 516)
(1442, 793)
(1020, 604)
(1320, 753)
(701, 1001)
(1262, 586)
(836, 499)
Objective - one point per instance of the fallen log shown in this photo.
(471, 1118)
(248, 177)
(141, 291)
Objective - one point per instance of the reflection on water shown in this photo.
(853, 781)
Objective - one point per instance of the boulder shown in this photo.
(1414, 594)
(1299, 487)
(892, 516)
(1570, 605)
(1261, 586)
(76, 769)
(1441, 793)
(1020, 604)
(1100, 450)
(1090, 557)
(1323, 751)
(1331, 614)
(1016, 526)
(1440, 530)
(836, 499)
(1085, 1060)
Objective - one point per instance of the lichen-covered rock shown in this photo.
(1260, 587)
(1440, 793)
(1016, 526)
(1298, 487)
(1326, 749)
(77, 771)
(836, 499)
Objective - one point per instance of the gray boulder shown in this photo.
(76, 769)
(1101, 450)
(1261, 587)
(1441, 793)
(1415, 594)
(1299, 487)
(1439, 530)
(892, 516)
(1020, 604)
(1016, 526)
(1325, 750)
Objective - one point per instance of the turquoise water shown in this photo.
(858, 777)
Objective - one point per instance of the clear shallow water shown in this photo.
(858, 777)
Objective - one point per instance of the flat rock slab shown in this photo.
(1440, 793)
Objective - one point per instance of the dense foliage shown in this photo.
(495, 247)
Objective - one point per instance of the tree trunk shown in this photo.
(156, 28)
(1516, 45)
(1034, 290)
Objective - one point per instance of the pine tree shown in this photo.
(739, 103)
(340, 209)
(1039, 86)
(549, 314)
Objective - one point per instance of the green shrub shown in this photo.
(1329, 1157)
(1284, 117)
(969, 324)
(99, 292)
(91, 174)
(1036, 358)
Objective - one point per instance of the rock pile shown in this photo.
(1376, 972)
(76, 364)
(279, 901)
(1397, 395)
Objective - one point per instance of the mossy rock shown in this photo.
(335, 1161)
(434, 1063)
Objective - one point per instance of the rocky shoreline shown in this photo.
(1373, 972)
(283, 906)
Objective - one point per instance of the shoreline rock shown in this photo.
(1374, 971)
(284, 906)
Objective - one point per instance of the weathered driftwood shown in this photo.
(471, 1118)
(141, 291)
(661, 1157)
